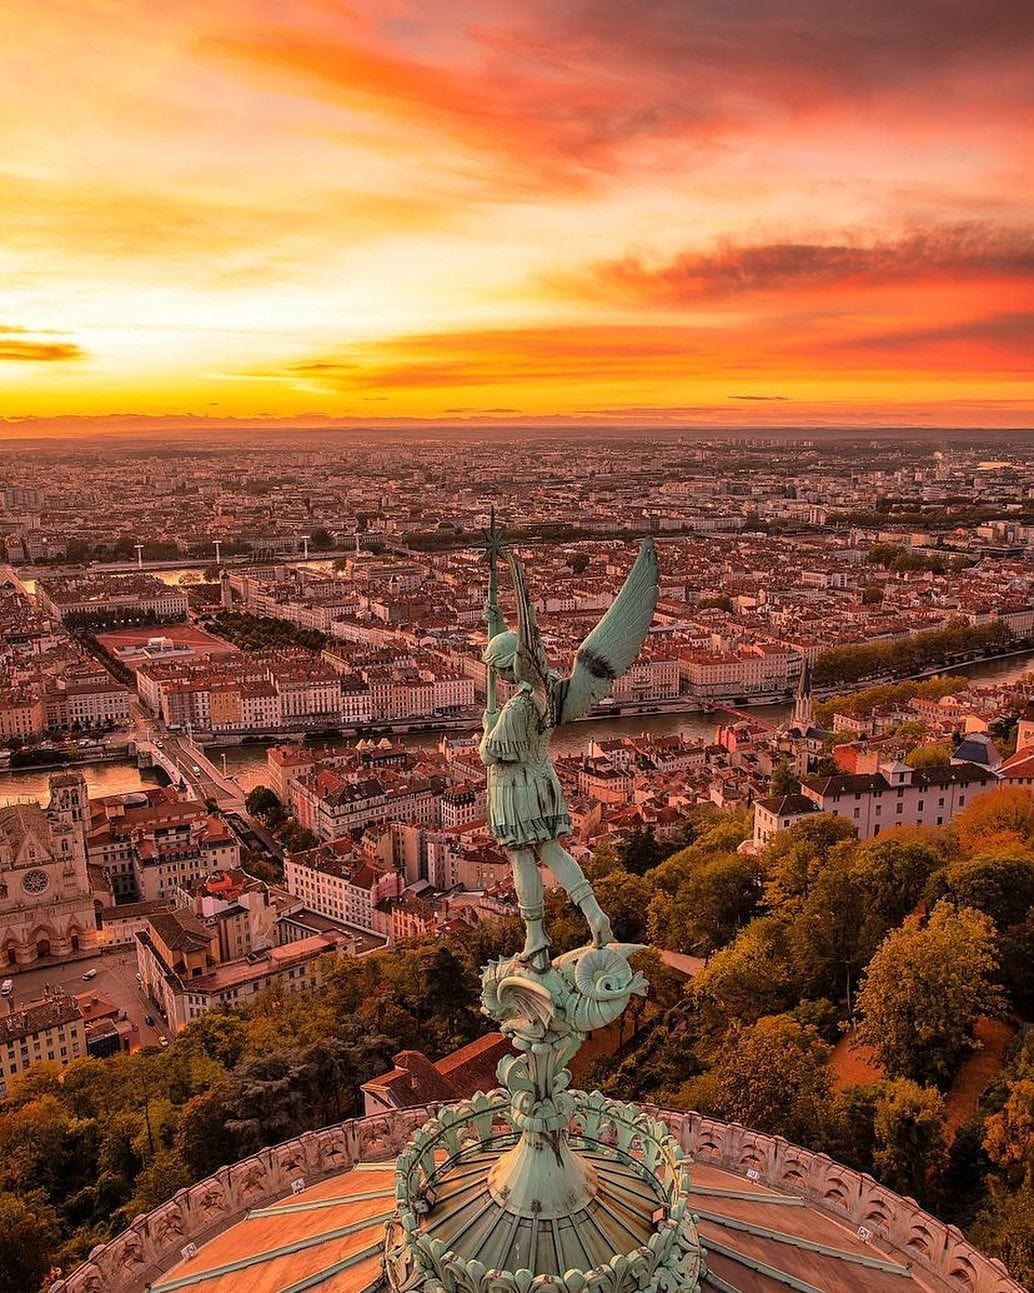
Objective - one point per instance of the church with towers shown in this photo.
(46, 907)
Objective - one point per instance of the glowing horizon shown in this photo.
(581, 210)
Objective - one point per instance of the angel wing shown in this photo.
(530, 664)
(614, 643)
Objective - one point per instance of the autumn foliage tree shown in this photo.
(717, 895)
(774, 1074)
(28, 1234)
(1004, 1226)
(1002, 887)
(925, 989)
(909, 1136)
(795, 858)
(752, 977)
(1002, 817)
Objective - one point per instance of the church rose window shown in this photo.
(35, 881)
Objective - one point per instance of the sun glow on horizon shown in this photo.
(579, 210)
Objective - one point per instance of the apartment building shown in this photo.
(898, 795)
(180, 968)
(331, 805)
(111, 596)
(21, 715)
(779, 813)
(656, 679)
(606, 782)
(284, 763)
(50, 1029)
(237, 906)
(757, 668)
(336, 882)
(96, 704)
(150, 843)
(261, 705)
(312, 690)
(464, 859)
(461, 803)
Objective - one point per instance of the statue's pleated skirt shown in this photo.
(526, 804)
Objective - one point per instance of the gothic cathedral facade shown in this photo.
(46, 907)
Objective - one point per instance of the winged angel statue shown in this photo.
(526, 807)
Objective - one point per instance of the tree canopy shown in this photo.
(924, 990)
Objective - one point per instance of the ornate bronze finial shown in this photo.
(491, 541)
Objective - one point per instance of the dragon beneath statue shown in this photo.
(581, 991)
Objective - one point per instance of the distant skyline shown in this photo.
(671, 211)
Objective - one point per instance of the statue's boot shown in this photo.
(597, 918)
(535, 953)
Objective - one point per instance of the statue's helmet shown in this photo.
(501, 650)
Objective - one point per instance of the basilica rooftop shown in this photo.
(311, 1214)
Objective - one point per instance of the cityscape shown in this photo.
(240, 725)
(516, 647)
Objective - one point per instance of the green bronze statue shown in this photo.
(537, 1187)
(526, 808)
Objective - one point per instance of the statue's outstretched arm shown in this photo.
(494, 619)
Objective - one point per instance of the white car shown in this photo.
(163, 1042)
(6, 988)
(90, 974)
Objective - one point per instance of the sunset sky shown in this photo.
(607, 210)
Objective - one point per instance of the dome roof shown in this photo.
(311, 1214)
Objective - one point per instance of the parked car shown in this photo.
(90, 974)
(6, 988)
(149, 1019)
(163, 1042)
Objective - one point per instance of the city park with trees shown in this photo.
(842, 991)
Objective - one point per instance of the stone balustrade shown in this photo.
(153, 1243)
(853, 1197)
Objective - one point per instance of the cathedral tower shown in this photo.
(802, 709)
(70, 805)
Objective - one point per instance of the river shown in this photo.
(248, 762)
(194, 574)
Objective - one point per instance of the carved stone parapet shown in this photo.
(853, 1196)
(152, 1243)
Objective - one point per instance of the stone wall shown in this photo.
(852, 1197)
(154, 1242)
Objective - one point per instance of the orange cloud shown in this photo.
(17, 346)
(556, 208)
(562, 91)
(952, 253)
(571, 361)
